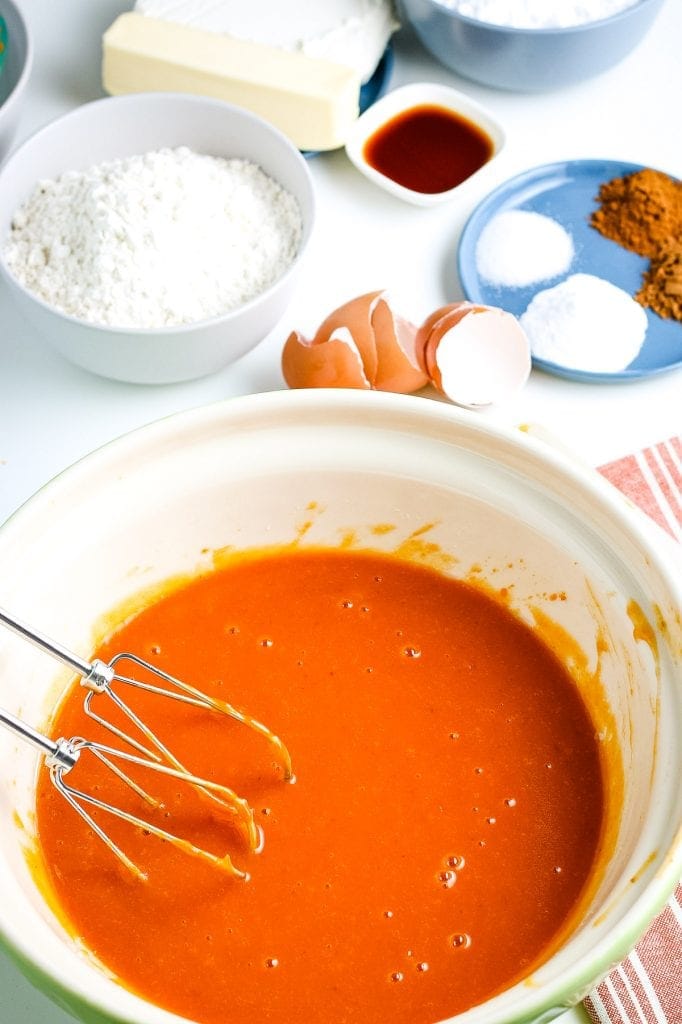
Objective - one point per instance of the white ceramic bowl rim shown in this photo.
(524, 1002)
(222, 318)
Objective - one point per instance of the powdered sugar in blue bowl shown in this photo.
(527, 52)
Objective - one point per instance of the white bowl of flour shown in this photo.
(154, 238)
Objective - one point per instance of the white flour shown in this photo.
(166, 238)
(516, 248)
(585, 323)
(538, 13)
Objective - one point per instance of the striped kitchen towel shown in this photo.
(652, 479)
(647, 987)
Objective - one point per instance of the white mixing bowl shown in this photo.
(325, 468)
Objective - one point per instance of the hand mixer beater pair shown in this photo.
(104, 679)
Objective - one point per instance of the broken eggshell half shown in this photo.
(474, 355)
(362, 344)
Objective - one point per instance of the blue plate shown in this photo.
(372, 90)
(567, 192)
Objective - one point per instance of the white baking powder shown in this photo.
(166, 238)
(585, 323)
(520, 247)
(538, 13)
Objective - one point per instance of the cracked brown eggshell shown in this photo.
(362, 344)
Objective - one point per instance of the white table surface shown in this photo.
(52, 413)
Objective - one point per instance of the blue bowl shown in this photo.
(527, 60)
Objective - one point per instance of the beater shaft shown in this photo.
(96, 673)
(57, 752)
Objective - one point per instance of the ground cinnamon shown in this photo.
(662, 284)
(641, 211)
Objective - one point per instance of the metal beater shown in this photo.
(61, 755)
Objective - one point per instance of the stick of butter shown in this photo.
(315, 102)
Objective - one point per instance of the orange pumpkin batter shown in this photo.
(444, 821)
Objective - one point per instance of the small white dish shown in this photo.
(414, 96)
